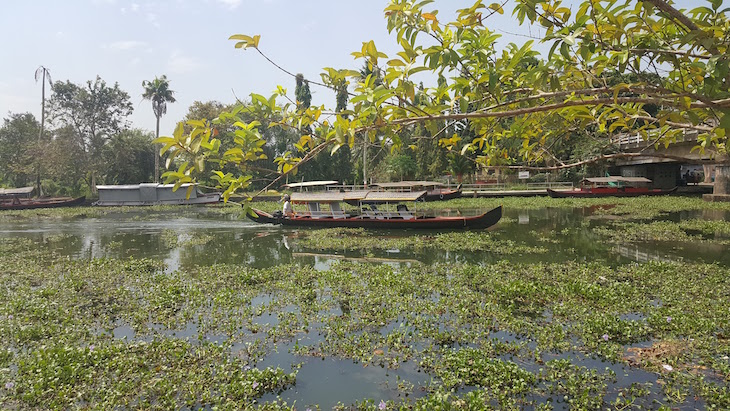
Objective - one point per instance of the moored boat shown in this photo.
(435, 191)
(11, 193)
(152, 194)
(51, 202)
(612, 186)
(324, 210)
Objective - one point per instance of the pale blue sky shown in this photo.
(128, 41)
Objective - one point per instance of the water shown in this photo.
(204, 239)
(184, 242)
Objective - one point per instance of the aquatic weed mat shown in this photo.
(361, 239)
(691, 231)
(124, 334)
(140, 212)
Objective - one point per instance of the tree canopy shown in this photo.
(613, 66)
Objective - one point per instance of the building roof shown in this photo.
(137, 186)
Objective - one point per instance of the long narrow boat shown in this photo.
(612, 186)
(53, 202)
(371, 216)
(435, 191)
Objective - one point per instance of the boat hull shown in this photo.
(146, 194)
(612, 192)
(200, 200)
(442, 195)
(482, 221)
(42, 203)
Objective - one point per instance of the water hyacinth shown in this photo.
(467, 333)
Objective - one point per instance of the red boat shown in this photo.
(53, 202)
(612, 186)
(370, 215)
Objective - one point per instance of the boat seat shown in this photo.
(378, 214)
(367, 213)
(315, 212)
(403, 212)
(337, 212)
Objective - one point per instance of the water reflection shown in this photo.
(205, 239)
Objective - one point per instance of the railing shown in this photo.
(524, 186)
(475, 187)
(637, 139)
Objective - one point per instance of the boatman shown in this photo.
(287, 209)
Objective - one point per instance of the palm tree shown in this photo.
(159, 93)
(42, 73)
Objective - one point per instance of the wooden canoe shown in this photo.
(54, 202)
(609, 192)
(481, 221)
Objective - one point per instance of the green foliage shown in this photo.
(159, 93)
(302, 93)
(20, 150)
(130, 158)
(647, 69)
(399, 167)
(92, 114)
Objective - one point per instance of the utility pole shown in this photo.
(41, 72)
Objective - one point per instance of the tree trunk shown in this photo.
(365, 163)
(157, 151)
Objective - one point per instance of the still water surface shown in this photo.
(207, 238)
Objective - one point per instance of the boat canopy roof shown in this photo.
(16, 191)
(617, 179)
(312, 184)
(327, 196)
(393, 196)
(354, 196)
(408, 184)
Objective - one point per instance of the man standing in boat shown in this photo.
(287, 210)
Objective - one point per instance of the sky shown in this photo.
(129, 41)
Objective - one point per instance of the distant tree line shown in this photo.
(87, 141)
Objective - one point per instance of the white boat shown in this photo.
(152, 194)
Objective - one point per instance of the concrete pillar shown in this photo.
(708, 169)
(721, 191)
(722, 179)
